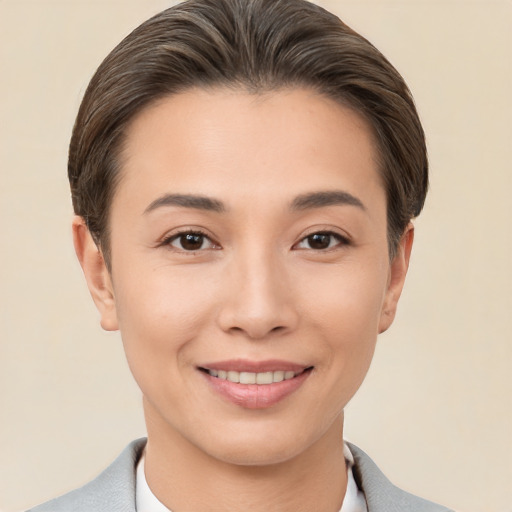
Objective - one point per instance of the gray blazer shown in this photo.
(114, 489)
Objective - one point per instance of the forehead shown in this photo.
(220, 141)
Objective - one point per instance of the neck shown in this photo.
(183, 477)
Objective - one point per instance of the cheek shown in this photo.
(347, 298)
(159, 313)
(344, 309)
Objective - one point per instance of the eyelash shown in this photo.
(340, 240)
(168, 241)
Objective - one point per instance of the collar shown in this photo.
(146, 501)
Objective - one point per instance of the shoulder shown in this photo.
(112, 491)
(381, 495)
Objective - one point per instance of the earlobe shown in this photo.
(398, 272)
(96, 274)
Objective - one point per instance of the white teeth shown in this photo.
(278, 376)
(247, 378)
(252, 378)
(233, 376)
(265, 378)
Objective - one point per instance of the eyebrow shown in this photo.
(187, 201)
(325, 198)
(301, 202)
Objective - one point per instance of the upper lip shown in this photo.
(244, 365)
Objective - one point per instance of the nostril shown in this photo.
(254, 332)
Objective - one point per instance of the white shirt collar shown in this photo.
(146, 501)
(354, 500)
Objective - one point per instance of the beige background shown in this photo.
(436, 409)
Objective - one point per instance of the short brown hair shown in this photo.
(260, 46)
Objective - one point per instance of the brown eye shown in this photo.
(190, 241)
(321, 241)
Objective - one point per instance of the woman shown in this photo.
(244, 174)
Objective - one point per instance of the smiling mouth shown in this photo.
(260, 378)
(255, 385)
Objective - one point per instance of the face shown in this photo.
(250, 269)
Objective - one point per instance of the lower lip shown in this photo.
(256, 396)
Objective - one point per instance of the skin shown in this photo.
(255, 288)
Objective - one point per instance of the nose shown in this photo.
(258, 298)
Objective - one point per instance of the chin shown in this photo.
(260, 447)
(242, 454)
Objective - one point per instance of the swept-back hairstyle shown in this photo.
(258, 46)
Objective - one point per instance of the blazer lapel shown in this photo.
(381, 495)
(112, 491)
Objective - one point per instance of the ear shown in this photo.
(397, 273)
(96, 274)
